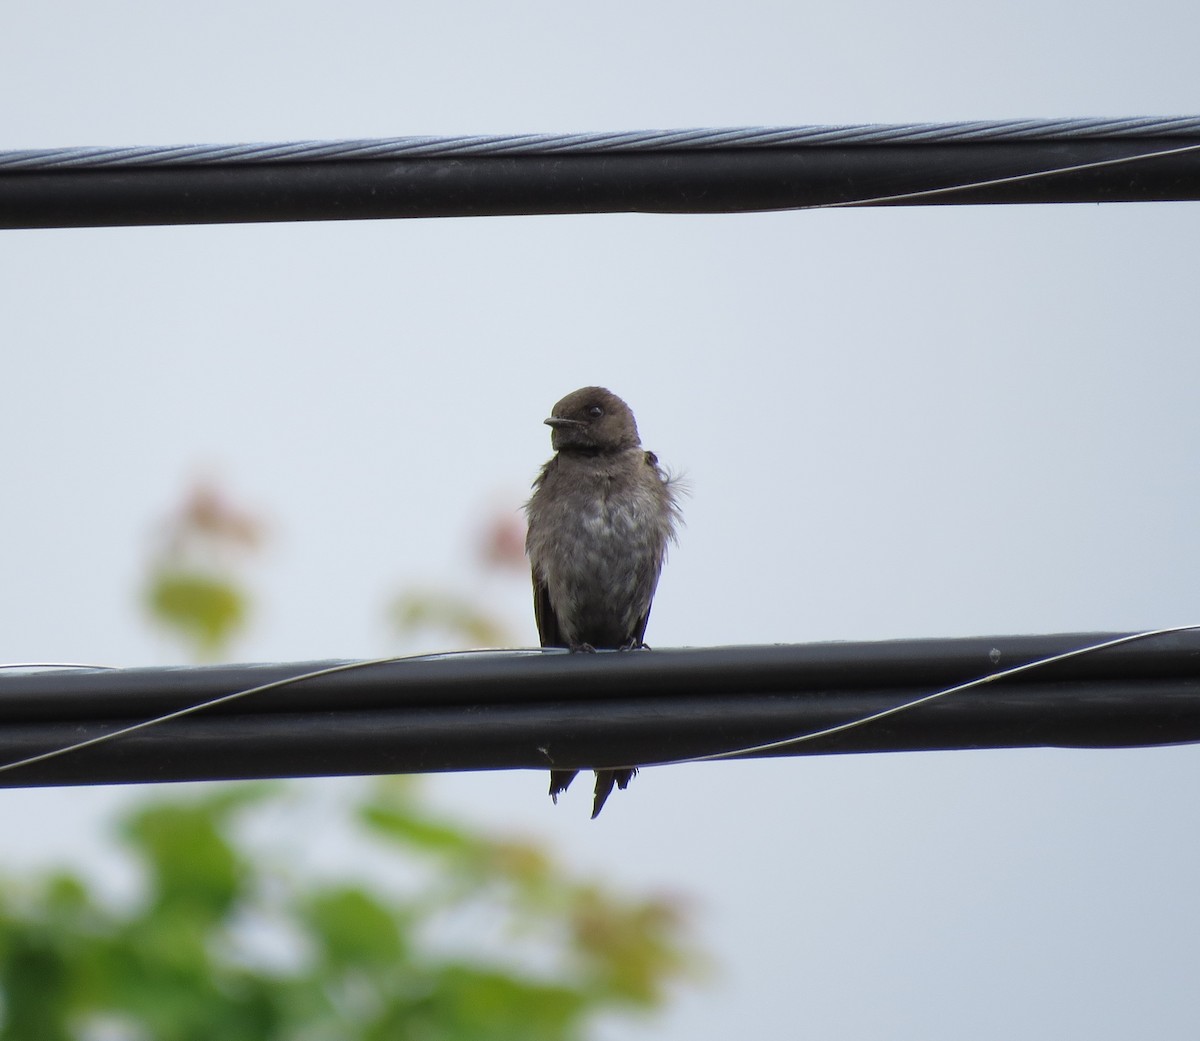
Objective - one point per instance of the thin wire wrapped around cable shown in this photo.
(908, 706)
(236, 695)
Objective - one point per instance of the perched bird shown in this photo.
(600, 518)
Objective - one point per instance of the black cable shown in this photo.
(520, 710)
(728, 171)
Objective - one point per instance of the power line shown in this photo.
(683, 171)
(512, 710)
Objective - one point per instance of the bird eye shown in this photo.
(595, 412)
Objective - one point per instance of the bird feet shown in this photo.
(587, 648)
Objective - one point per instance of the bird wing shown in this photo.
(639, 630)
(549, 631)
(550, 636)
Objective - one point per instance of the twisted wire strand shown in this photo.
(51, 665)
(604, 142)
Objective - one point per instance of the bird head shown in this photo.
(592, 420)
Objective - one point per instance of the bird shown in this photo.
(599, 521)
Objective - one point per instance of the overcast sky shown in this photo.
(911, 422)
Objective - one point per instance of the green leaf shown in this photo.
(353, 928)
(405, 827)
(204, 608)
(193, 866)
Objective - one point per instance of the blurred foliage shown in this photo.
(499, 547)
(360, 967)
(501, 544)
(488, 938)
(428, 609)
(204, 609)
(193, 588)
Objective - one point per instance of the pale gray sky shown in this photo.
(895, 423)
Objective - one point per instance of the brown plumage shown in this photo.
(600, 518)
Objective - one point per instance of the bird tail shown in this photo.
(605, 779)
(560, 781)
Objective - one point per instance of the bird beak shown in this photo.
(559, 424)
